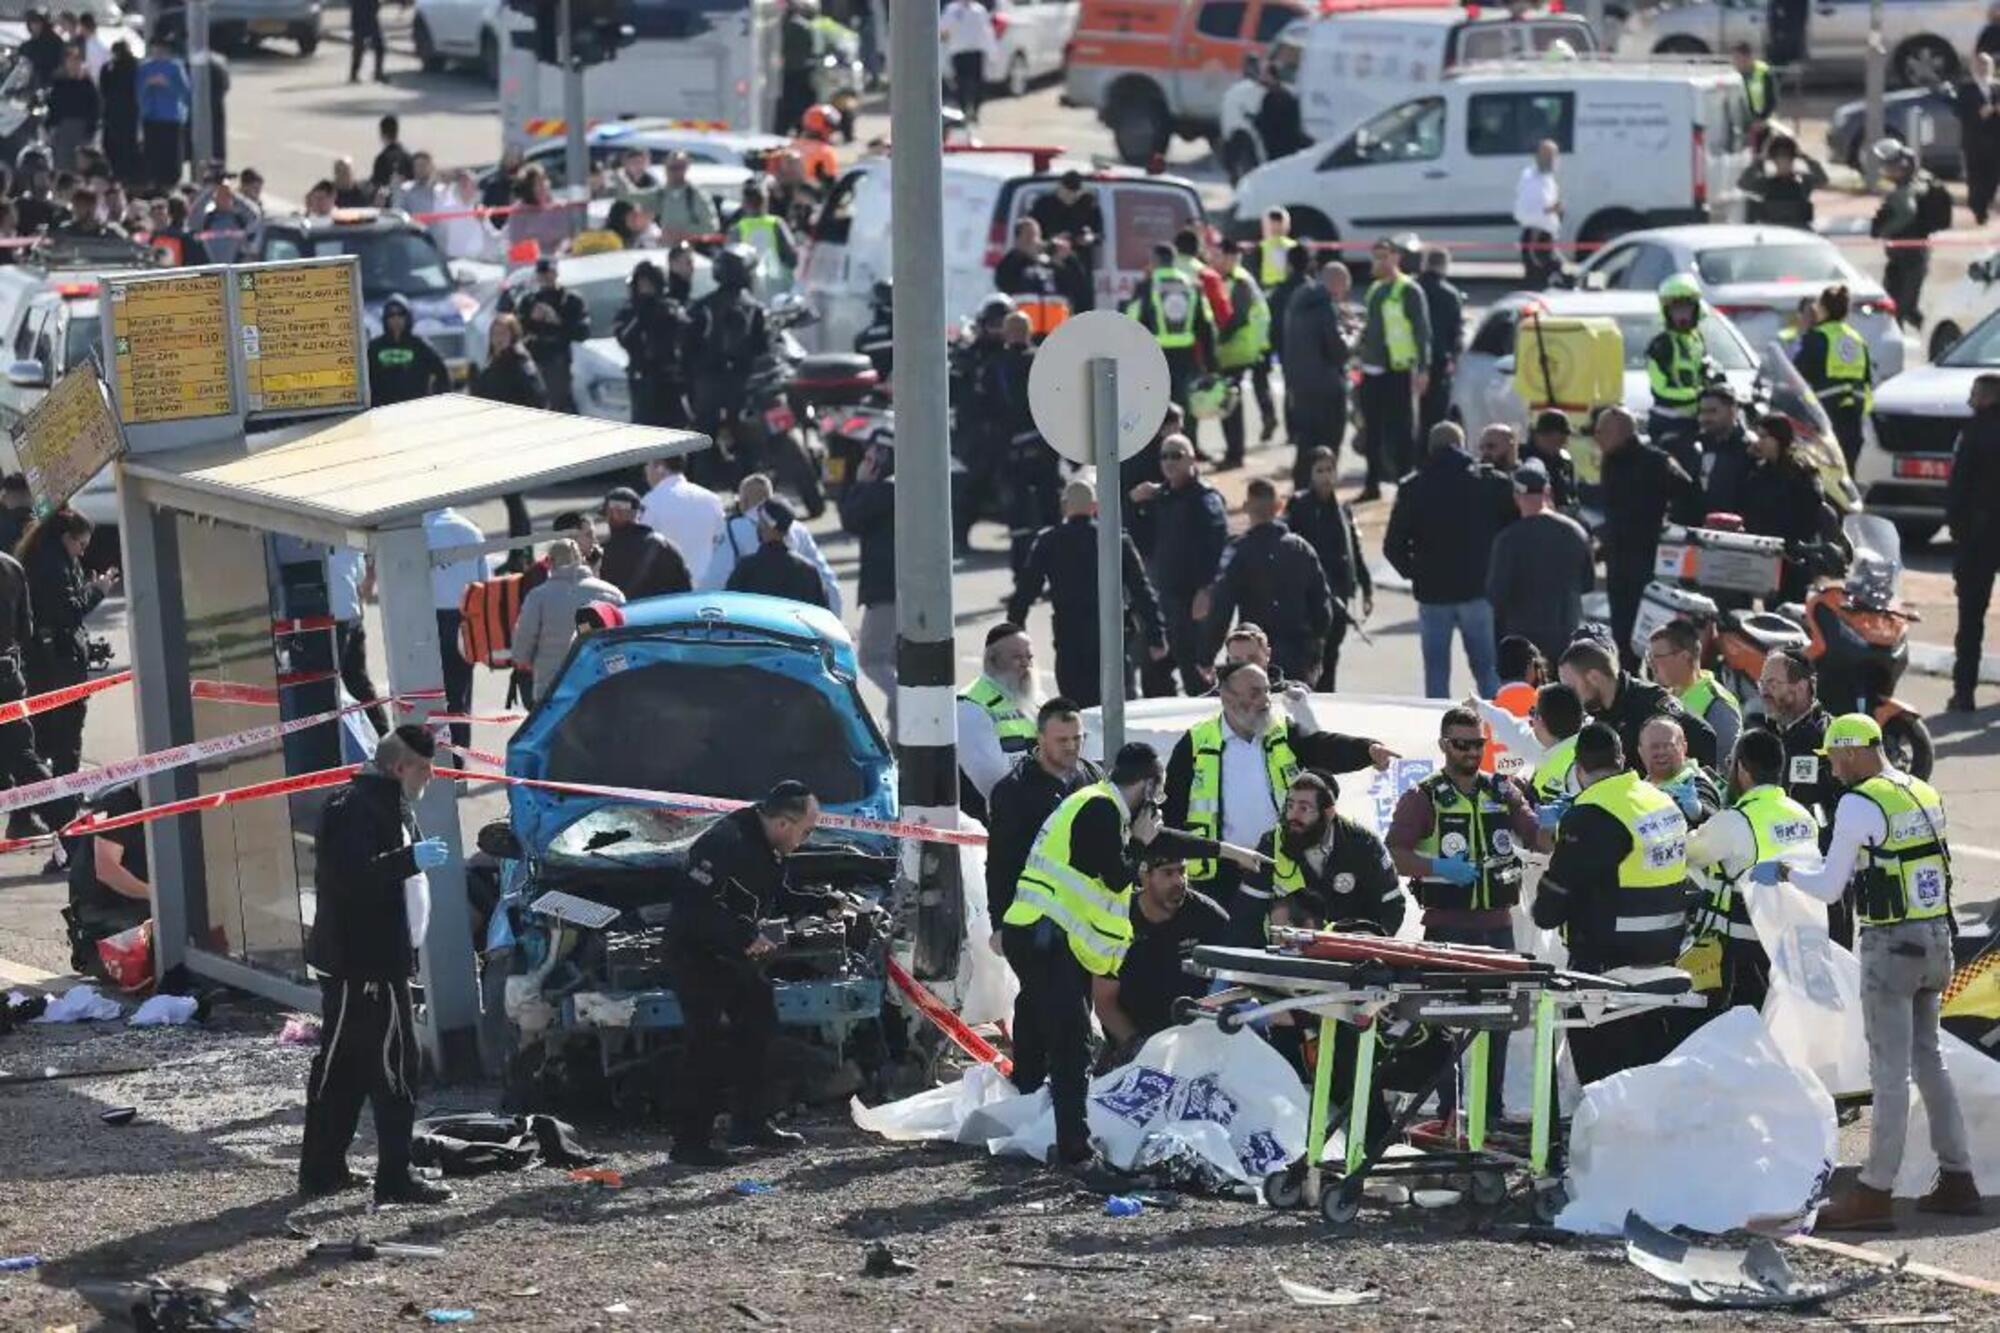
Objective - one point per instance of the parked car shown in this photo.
(608, 144)
(597, 366)
(1755, 275)
(1446, 161)
(592, 1006)
(985, 190)
(398, 258)
(1924, 40)
(465, 31)
(1921, 116)
(1346, 67)
(1033, 35)
(236, 24)
(1963, 304)
(1907, 441)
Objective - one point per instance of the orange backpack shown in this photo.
(487, 613)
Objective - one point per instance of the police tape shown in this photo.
(945, 1021)
(214, 691)
(22, 709)
(673, 800)
(255, 791)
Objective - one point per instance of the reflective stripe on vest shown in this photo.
(1172, 306)
(1846, 364)
(1273, 259)
(1015, 729)
(1705, 690)
(1555, 776)
(1252, 340)
(1652, 879)
(1204, 817)
(1915, 862)
(1399, 336)
(1095, 917)
(1475, 828)
(1677, 385)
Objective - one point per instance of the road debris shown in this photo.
(119, 1115)
(1302, 1294)
(1753, 1278)
(157, 1305)
(878, 1260)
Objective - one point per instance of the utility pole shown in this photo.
(202, 76)
(576, 157)
(1876, 72)
(925, 710)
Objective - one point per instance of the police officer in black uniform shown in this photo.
(374, 906)
(1064, 561)
(1549, 442)
(1272, 577)
(555, 320)
(717, 940)
(19, 764)
(1032, 471)
(652, 327)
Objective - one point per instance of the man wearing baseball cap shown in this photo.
(1889, 846)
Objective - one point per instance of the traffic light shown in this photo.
(597, 30)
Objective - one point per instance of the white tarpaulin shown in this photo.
(985, 984)
(1723, 1132)
(1229, 1098)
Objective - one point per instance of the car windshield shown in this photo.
(1980, 348)
(1724, 344)
(1806, 261)
(393, 263)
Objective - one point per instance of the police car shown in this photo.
(398, 258)
(705, 142)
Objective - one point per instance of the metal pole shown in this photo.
(1873, 120)
(202, 75)
(576, 157)
(925, 715)
(1103, 373)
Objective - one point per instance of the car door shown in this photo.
(1502, 130)
(1484, 390)
(1210, 58)
(1389, 173)
(1837, 31)
(31, 345)
(454, 25)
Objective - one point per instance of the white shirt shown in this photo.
(738, 538)
(1248, 812)
(966, 27)
(444, 529)
(345, 569)
(1857, 823)
(1725, 845)
(980, 757)
(96, 55)
(1535, 200)
(688, 515)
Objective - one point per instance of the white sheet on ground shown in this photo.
(80, 1004)
(985, 984)
(165, 1011)
(1723, 1132)
(1230, 1098)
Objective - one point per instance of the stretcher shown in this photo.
(1461, 994)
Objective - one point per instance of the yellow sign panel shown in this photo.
(301, 340)
(66, 439)
(170, 348)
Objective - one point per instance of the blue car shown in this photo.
(1902, 115)
(703, 694)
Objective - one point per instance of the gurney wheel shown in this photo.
(1285, 1189)
(1340, 1203)
(1488, 1188)
(1550, 1199)
(1227, 1022)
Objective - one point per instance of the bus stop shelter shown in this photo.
(232, 890)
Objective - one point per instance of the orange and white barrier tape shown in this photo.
(941, 1017)
(22, 709)
(256, 791)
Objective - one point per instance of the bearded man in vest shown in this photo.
(1889, 851)
(1229, 776)
(1618, 882)
(1070, 921)
(1723, 954)
(1459, 835)
(996, 716)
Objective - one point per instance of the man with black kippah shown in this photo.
(373, 909)
(725, 925)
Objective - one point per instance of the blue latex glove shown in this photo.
(1454, 870)
(1550, 815)
(431, 853)
(1686, 797)
(1767, 872)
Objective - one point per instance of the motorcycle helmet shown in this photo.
(734, 266)
(1680, 287)
(1210, 397)
(995, 309)
(820, 121)
(645, 268)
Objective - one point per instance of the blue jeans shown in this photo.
(1474, 622)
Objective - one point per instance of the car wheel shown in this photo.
(1916, 532)
(1923, 62)
(1240, 157)
(489, 57)
(308, 40)
(1309, 224)
(427, 52)
(1942, 337)
(1017, 76)
(1681, 46)
(1606, 227)
(1139, 124)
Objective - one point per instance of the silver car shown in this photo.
(1924, 40)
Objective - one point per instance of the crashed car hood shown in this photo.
(705, 694)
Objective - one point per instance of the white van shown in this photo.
(985, 191)
(1643, 145)
(1345, 67)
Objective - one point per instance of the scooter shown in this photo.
(766, 426)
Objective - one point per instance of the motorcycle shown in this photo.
(846, 394)
(1853, 625)
(765, 430)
